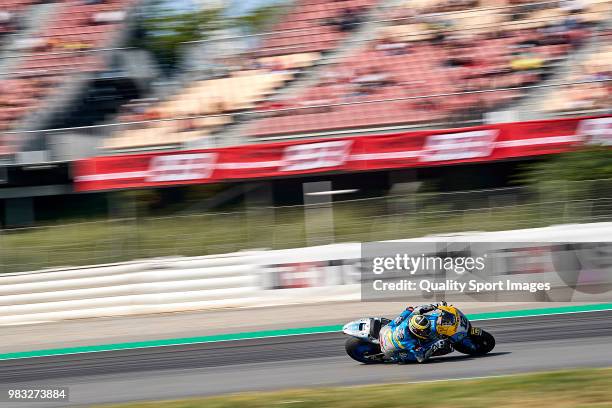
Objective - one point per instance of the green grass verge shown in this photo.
(563, 389)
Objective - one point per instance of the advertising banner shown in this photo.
(347, 154)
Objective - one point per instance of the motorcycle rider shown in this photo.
(412, 336)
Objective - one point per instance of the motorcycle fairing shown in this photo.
(451, 321)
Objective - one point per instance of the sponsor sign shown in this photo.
(459, 146)
(180, 167)
(349, 154)
(596, 131)
(315, 155)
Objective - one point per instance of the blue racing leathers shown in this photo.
(398, 344)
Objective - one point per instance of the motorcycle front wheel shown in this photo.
(362, 351)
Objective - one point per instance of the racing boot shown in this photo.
(439, 348)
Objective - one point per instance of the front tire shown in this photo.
(485, 343)
(359, 350)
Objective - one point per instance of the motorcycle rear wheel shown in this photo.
(359, 350)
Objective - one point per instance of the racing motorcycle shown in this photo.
(363, 344)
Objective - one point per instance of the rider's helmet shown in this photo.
(420, 326)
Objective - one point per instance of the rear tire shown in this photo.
(359, 349)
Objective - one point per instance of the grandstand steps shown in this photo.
(162, 86)
(235, 133)
(138, 65)
(56, 102)
(529, 107)
(37, 16)
(61, 98)
(365, 33)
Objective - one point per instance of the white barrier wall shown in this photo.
(152, 286)
(242, 279)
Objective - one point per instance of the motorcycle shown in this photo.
(363, 345)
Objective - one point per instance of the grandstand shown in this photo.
(296, 43)
(438, 52)
(54, 53)
(325, 67)
(420, 64)
(9, 16)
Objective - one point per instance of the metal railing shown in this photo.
(368, 219)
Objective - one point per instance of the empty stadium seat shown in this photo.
(207, 97)
(441, 49)
(51, 58)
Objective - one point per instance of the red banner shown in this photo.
(400, 150)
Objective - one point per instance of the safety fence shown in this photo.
(399, 215)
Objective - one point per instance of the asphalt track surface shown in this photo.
(523, 345)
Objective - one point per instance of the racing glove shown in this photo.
(425, 308)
